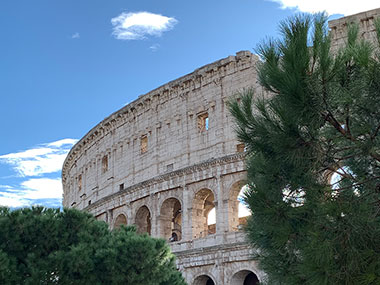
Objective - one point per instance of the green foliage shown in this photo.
(49, 246)
(321, 120)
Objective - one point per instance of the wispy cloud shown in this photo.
(154, 47)
(30, 192)
(139, 25)
(38, 175)
(45, 158)
(75, 36)
(332, 7)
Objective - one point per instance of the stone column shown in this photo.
(109, 218)
(186, 214)
(221, 208)
(153, 203)
(130, 214)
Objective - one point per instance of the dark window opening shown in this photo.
(105, 164)
(143, 144)
(203, 122)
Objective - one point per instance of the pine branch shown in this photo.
(357, 184)
(338, 159)
(343, 174)
(348, 121)
(329, 117)
(375, 133)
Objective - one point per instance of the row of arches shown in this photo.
(203, 215)
(243, 277)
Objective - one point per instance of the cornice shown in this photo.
(181, 86)
(167, 176)
(188, 253)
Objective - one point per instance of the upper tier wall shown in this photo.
(365, 20)
(159, 132)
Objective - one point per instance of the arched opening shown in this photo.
(120, 220)
(143, 220)
(203, 224)
(245, 277)
(171, 220)
(243, 210)
(238, 211)
(203, 280)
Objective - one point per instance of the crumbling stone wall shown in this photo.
(164, 161)
(365, 20)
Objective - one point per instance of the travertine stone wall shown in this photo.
(365, 20)
(165, 160)
(167, 116)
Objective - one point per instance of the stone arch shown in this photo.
(234, 206)
(143, 220)
(170, 220)
(121, 219)
(203, 280)
(244, 277)
(203, 203)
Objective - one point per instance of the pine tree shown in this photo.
(313, 156)
(49, 246)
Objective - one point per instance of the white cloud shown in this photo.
(30, 191)
(139, 25)
(12, 200)
(37, 161)
(75, 36)
(45, 158)
(154, 47)
(331, 7)
(42, 188)
(63, 142)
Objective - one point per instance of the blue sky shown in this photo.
(66, 65)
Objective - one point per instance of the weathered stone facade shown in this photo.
(164, 161)
(365, 20)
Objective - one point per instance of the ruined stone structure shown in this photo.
(166, 160)
(365, 20)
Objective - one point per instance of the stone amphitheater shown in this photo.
(170, 163)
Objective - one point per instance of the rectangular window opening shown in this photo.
(80, 182)
(121, 186)
(240, 147)
(105, 164)
(169, 167)
(203, 122)
(144, 144)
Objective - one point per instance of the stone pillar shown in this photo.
(186, 214)
(221, 211)
(109, 218)
(153, 203)
(130, 214)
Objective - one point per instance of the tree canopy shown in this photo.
(313, 156)
(48, 246)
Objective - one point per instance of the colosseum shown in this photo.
(170, 163)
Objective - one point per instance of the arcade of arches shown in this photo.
(202, 216)
(203, 280)
(120, 220)
(143, 220)
(171, 220)
(243, 277)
